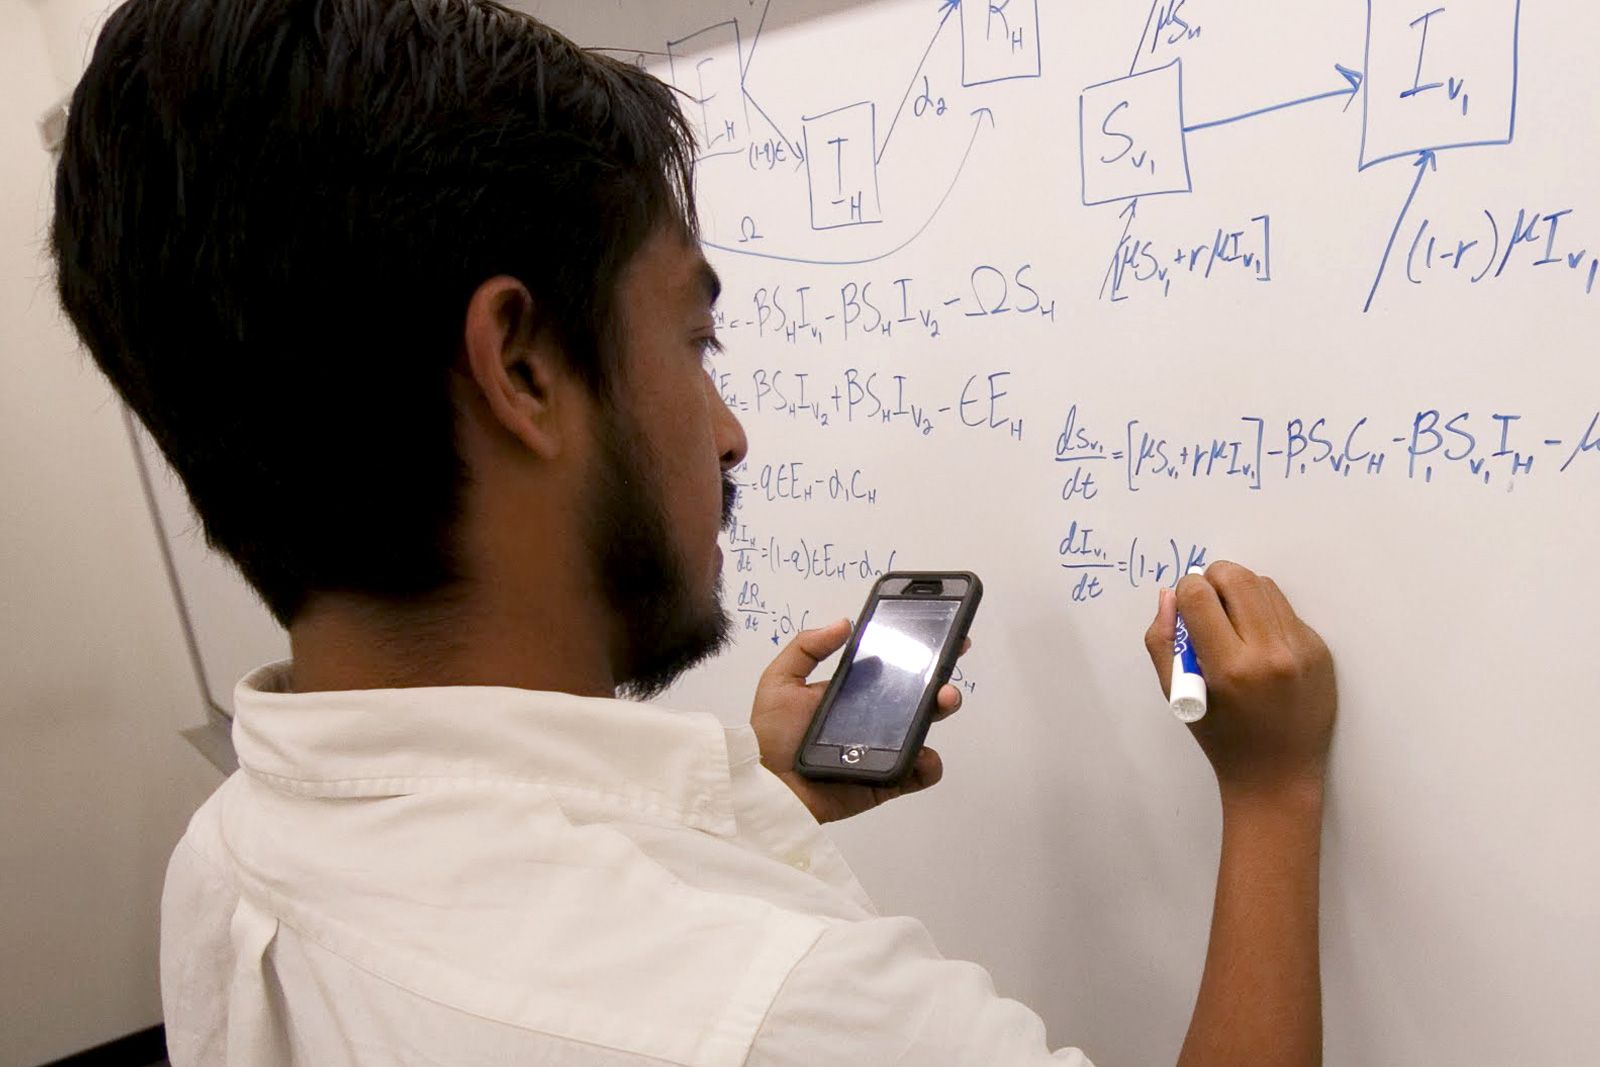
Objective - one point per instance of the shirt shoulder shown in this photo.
(197, 904)
(489, 902)
(878, 991)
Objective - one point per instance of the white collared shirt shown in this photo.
(487, 876)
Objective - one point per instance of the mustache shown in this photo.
(730, 499)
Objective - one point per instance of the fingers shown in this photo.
(808, 648)
(1273, 696)
(1158, 638)
(1294, 628)
(948, 701)
(1210, 627)
(1288, 621)
(925, 771)
(1246, 600)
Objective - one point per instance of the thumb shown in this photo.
(809, 648)
(1158, 638)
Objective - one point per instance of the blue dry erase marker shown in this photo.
(1188, 697)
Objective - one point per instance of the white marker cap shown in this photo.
(1188, 693)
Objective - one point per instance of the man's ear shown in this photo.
(515, 366)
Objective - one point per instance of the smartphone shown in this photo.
(877, 709)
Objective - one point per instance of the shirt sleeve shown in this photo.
(877, 992)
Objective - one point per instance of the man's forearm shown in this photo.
(1260, 999)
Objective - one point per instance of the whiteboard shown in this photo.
(1075, 294)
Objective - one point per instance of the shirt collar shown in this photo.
(649, 760)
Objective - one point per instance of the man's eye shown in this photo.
(709, 346)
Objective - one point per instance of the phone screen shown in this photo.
(894, 662)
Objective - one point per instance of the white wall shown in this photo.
(95, 681)
(69, 29)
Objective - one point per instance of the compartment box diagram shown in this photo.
(1438, 76)
(999, 40)
(706, 67)
(1130, 136)
(841, 167)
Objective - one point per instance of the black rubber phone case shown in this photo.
(855, 763)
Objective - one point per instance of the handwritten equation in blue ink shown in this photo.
(805, 558)
(779, 620)
(867, 397)
(1490, 448)
(1151, 264)
(798, 481)
(1097, 561)
(865, 307)
(1483, 247)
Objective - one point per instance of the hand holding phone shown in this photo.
(785, 702)
(876, 712)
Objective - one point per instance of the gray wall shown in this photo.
(95, 682)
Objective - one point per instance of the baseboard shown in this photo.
(136, 1050)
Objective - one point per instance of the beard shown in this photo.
(663, 626)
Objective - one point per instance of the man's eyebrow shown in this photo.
(712, 283)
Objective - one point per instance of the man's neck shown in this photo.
(344, 641)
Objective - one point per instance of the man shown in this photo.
(409, 293)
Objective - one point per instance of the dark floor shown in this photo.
(147, 1048)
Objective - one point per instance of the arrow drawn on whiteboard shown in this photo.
(979, 115)
(1426, 160)
(744, 77)
(947, 6)
(1130, 213)
(1352, 77)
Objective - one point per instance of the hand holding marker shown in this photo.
(1188, 696)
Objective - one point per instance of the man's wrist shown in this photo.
(1298, 796)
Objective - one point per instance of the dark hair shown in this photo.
(270, 216)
